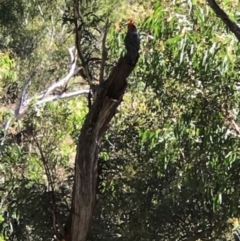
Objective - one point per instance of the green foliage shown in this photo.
(170, 159)
(37, 173)
(177, 152)
(6, 67)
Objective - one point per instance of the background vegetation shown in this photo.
(170, 159)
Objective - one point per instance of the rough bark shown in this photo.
(96, 123)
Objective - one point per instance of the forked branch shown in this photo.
(44, 97)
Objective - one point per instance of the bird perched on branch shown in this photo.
(132, 42)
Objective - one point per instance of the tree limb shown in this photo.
(62, 96)
(96, 123)
(22, 107)
(224, 17)
(78, 21)
(64, 80)
(24, 103)
(19, 110)
(104, 52)
(53, 210)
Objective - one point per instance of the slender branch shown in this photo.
(62, 96)
(41, 101)
(5, 129)
(49, 175)
(63, 81)
(7, 124)
(23, 105)
(24, 102)
(224, 17)
(104, 52)
(19, 110)
(78, 21)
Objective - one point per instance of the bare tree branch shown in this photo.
(62, 96)
(23, 105)
(78, 20)
(19, 110)
(49, 175)
(5, 129)
(63, 81)
(221, 14)
(104, 52)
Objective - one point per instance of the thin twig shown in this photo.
(224, 17)
(5, 129)
(19, 109)
(62, 96)
(78, 21)
(22, 107)
(104, 52)
(51, 183)
(64, 80)
(24, 103)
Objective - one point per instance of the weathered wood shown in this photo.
(96, 123)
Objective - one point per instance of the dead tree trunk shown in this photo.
(97, 121)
